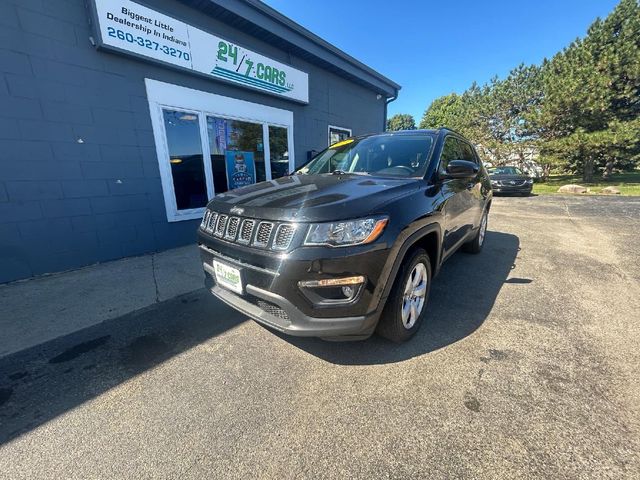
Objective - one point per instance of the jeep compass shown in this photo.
(350, 242)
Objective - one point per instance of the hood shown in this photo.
(315, 198)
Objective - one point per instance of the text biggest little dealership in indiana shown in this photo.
(121, 119)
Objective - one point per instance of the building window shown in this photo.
(337, 134)
(185, 159)
(279, 150)
(244, 143)
(246, 138)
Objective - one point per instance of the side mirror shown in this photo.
(461, 169)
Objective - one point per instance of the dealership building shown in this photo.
(119, 120)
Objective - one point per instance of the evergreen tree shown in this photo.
(581, 109)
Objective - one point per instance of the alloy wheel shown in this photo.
(483, 229)
(413, 298)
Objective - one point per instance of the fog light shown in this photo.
(333, 291)
(348, 292)
(332, 282)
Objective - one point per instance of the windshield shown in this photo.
(505, 171)
(399, 155)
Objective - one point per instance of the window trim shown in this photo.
(174, 97)
(170, 195)
(329, 127)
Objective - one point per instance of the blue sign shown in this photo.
(241, 169)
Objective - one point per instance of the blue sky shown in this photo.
(433, 48)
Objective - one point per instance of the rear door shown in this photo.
(474, 186)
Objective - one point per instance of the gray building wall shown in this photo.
(79, 176)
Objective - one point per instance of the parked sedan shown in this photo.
(510, 180)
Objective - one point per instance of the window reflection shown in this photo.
(279, 151)
(186, 159)
(245, 139)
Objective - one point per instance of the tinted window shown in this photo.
(185, 156)
(450, 151)
(467, 152)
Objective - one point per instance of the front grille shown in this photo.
(246, 230)
(205, 219)
(249, 231)
(232, 228)
(220, 226)
(284, 235)
(212, 222)
(510, 183)
(263, 234)
(270, 308)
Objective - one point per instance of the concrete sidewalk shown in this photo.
(44, 308)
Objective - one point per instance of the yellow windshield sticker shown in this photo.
(342, 143)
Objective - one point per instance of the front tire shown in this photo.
(406, 306)
(475, 244)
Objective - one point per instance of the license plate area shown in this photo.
(227, 276)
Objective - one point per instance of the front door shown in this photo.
(458, 198)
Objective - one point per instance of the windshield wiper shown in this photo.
(342, 172)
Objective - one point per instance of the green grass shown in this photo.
(628, 183)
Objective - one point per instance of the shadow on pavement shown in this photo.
(462, 297)
(38, 384)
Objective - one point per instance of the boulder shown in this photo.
(573, 189)
(610, 191)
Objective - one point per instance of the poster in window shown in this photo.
(220, 135)
(241, 169)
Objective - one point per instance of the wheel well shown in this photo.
(431, 245)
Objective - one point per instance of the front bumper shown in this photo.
(271, 295)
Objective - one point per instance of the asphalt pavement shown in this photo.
(528, 367)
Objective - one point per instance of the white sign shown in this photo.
(134, 28)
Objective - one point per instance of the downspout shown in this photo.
(386, 104)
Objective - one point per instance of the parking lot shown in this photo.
(528, 367)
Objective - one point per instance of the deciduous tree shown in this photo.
(401, 121)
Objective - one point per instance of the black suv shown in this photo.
(349, 243)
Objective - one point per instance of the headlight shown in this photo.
(529, 181)
(342, 234)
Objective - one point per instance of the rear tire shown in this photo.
(475, 244)
(405, 309)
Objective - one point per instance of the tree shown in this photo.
(498, 116)
(592, 96)
(401, 121)
(580, 109)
